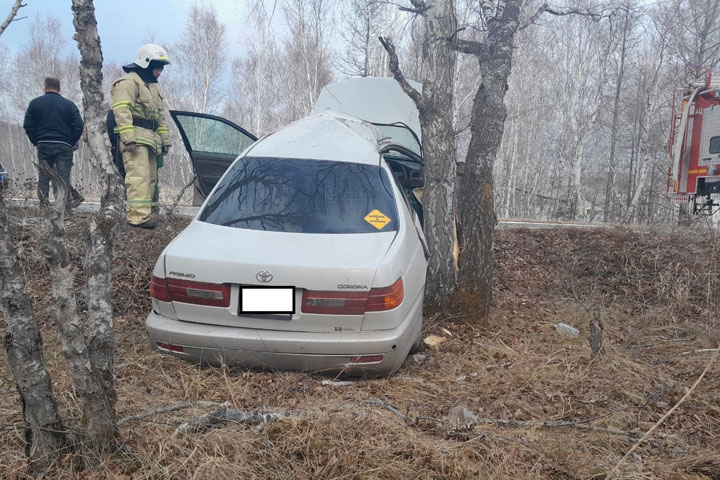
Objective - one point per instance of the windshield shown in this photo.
(298, 195)
(401, 135)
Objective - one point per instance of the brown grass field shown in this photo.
(545, 410)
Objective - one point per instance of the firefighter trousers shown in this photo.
(140, 181)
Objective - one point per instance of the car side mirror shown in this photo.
(416, 179)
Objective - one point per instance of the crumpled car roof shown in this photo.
(328, 135)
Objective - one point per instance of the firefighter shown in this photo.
(139, 111)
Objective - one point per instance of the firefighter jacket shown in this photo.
(139, 111)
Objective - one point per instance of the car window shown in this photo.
(401, 135)
(299, 195)
(209, 135)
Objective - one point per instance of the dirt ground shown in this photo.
(543, 409)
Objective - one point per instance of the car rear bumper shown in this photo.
(283, 350)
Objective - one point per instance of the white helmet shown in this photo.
(150, 52)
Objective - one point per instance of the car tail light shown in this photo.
(186, 291)
(387, 298)
(353, 303)
(159, 290)
(341, 303)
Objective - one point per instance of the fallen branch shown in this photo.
(389, 407)
(230, 415)
(179, 196)
(161, 410)
(664, 417)
(577, 424)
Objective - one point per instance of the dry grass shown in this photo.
(656, 302)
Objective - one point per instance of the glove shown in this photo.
(165, 149)
(130, 147)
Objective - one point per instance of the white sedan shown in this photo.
(307, 254)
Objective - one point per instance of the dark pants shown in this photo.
(60, 157)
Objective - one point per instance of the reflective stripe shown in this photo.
(150, 142)
(123, 103)
(140, 202)
(126, 128)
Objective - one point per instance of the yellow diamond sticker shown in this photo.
(377, 219)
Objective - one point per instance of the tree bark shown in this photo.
(436, 121)
(104, 227)
(610, 188)
(477, 212)
(11, 16)
(44, 432)
(98, 415)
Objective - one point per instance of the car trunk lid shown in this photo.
(243, 257)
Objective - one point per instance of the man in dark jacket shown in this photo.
(53, 124)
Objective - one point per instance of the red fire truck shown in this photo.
(694, 176)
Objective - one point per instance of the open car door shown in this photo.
(213, 143)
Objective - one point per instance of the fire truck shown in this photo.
(694, 175)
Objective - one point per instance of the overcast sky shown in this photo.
(125, 25)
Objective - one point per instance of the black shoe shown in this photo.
(147, 224)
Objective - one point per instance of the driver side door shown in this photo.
(213, 143)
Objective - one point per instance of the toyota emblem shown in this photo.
(264, 276)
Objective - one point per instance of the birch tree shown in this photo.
(255, 78)
(696, 33)
(363, 22)
(582, 78)
(45, 436)
(307, 68)
(436, 121)
(200, 59)
(17, 5)
(610, 210)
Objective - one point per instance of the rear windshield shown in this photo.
(308, 196)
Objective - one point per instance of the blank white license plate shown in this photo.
(267, 300)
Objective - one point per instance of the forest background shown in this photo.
(589, 100)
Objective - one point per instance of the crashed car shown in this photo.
(308, 252)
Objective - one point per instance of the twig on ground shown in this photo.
(230, 415)
(664, 417)
(701, 350)
(179, 196)
(161, 410)
(390, 407)
(578, 424)
(501, 365)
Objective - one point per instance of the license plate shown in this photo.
(267, 300)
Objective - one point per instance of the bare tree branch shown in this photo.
(419, 7)
(394, 66)
(11, 16)
(468, 46)
(596, 16)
